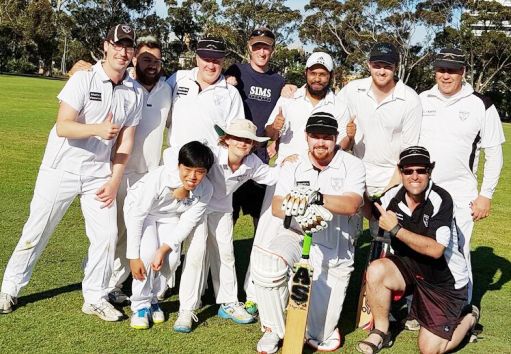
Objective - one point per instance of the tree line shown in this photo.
(51, 35)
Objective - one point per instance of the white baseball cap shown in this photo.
(320, 58)
(242, 128)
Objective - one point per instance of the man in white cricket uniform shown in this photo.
(457, 123)
(86, 154)
(146, 149)
(388, 117)
(287, 124)
(161, 210)
(202, 98)
(340, 178)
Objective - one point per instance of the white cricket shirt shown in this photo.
(454, 129)
(296, 111)
(195, 112)
(149, 133)
(384, 129)
(344, 174)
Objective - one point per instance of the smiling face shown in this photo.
(260, 54)
(209, 69)
(148, 65)
(191, 177)
(382, 74)
(318, 80)
(239, 147)
(449, 81)
(118, 55)
(321, 147)
(415, 179)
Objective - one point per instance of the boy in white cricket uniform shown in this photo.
(146, 152)
(160, 212)
(339, 177)
(234, 165)
(457, 123)
(86, 154)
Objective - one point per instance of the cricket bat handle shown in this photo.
(287, 221)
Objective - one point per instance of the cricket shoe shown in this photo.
(251, 308)
(7, 302)
(157, 314)
(103, 309)
(412, 325)
(183, 323)
(269, 343)
(331, 344)
(118, 297)
(140, 319)
(235, 311)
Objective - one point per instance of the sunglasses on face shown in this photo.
(259, 33)
(410, 171)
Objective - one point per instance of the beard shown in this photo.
(147, 79)
(318, 93)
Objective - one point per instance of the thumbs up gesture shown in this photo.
(351, 128)
(107, 129)
(279, 121)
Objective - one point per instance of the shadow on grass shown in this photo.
(28, 299)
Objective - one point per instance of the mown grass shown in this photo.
(49, 317)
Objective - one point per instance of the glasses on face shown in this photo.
(119, 46)
(259, 33)
(410, 171)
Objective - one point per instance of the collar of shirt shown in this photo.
(334, 164)
(98, 68)
(399, 91)
(401, 197)
(466, 90)
(302, 93)
(220, 83)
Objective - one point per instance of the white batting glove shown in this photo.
(296, 202)
(315, 219)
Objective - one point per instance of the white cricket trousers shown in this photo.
(144, 292)
(330, 280)
(465, 224)
(211, 241)
(53, 193)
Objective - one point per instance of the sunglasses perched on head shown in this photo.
(410, 171)
(259, 33)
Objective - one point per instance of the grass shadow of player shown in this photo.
(242, 250)
(43, 295)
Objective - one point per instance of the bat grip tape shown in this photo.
(307, 241)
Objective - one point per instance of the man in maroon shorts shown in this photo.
(428, 262)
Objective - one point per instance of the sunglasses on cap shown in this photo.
(259, 33)
(420, 171)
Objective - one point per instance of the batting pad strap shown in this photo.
(268, 269)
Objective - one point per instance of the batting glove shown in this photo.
(315, 219)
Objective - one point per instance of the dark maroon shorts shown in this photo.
(436, 308)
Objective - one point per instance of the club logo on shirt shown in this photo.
(303, 183)
(190, 201)
(182, 91)
(95, 96)
(429, 112)
(463, 115)
(337, 183)
(260, 94)
(425, 219)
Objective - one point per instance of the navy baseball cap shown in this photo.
(415, 155)
(210, 47)
(322, 123)
(384, 52)
(450, 58)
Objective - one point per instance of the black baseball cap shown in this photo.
(210, 47)
(415, 155)
(450, 58)
(384, 52)
(322, 123)
(120, 32)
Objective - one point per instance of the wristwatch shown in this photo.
(393, 232)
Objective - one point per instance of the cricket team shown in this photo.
(376, 149)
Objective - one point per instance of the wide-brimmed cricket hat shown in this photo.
(450, 58)
(242, 128)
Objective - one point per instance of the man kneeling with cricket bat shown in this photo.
(321, 190)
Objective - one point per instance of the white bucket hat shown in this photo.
(242, 128)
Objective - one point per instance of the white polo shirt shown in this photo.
(344, 174)
(149, 133)
(454, 129)
(296, 111)
(196, 111)
(152, 197)
(93, 96)
(384, 129)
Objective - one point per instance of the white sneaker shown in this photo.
(269, 343)
(103, 309)
(157, 314)
(330, 344)
(7, 302)
(140, 319)
(117, 297)
(183, 323)
(235, 311)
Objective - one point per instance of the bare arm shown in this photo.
(68, 127)
(276, 204)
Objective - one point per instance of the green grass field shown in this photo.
(49, 318)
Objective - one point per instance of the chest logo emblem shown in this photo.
(463, 115)
(425, 219)
(337, 183)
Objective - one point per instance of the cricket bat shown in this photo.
(298, 306)
(378, 249)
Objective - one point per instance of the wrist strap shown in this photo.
(393, 232)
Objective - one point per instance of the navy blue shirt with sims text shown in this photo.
(259, 92)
